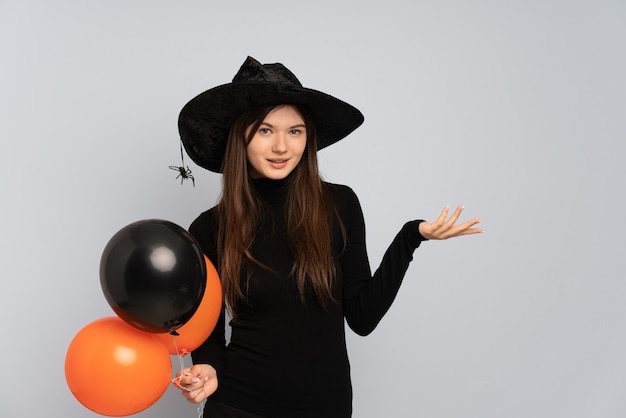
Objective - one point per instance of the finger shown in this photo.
(191, 391)
(470, 231)
(442, 216)
(189, 383)
(465, 228)
(193, 371)
(440, 222)
(470, 223)
(190, 396)
(210, 387)
(470, 226)
(455, 216)
(199, 370)
(196, 396)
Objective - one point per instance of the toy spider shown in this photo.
(183, 171)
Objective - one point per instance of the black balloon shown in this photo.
(153, 275)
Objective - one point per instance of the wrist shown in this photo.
(420, 229)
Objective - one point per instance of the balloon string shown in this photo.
(181, 365)
(200, 409)
(181, 361)
(176, 380)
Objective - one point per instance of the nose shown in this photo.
(279, 145)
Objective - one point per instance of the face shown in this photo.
(278, 144)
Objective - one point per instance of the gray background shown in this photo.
(515, 109)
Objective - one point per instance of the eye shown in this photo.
(264, 131)
(295, 132)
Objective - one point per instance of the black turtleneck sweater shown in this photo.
(286, 358)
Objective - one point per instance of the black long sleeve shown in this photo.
(287, 358)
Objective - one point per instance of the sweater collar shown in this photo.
(272, 191)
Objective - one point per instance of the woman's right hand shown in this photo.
(197, 382)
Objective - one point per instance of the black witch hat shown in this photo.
(204, 122)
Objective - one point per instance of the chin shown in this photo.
(277, 176)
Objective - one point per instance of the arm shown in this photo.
(367, 298)
(201, 380)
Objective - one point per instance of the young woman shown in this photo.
(289, 248)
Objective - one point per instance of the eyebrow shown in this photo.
(300, 125)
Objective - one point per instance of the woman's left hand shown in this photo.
(197, 382)
(444, 228)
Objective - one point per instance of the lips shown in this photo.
(278, 163)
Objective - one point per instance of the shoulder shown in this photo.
(340, 191)
(205, 219)
(204, 229)
(345, 198)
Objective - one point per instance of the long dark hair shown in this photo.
(311, 215)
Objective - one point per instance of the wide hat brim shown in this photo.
(204, 122)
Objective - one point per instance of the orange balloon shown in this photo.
(114, 369)
(198, 328)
